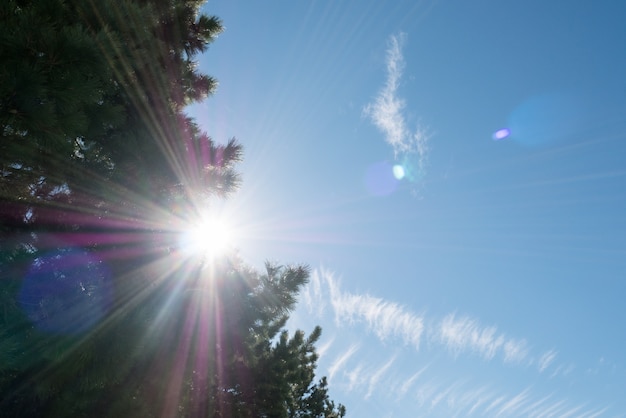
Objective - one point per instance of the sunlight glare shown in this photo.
(211, 236)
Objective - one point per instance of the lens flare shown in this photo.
(501, 134)
(398, 172)
(548, 119)
(66, 291)
(380, 179)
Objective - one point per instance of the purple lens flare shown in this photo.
(501, 134)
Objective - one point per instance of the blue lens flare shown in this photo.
(547, 119)
(380, 179)
(67, 291)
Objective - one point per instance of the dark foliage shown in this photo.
(101, 314)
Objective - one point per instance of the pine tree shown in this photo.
(97, 161)
(198, 343)
(96, 96)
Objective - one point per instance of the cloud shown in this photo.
(546, 359)
(484, 402)
(389, 321)
(571, 412)
(453, 333)
(512, 405)
(341, 360)
(312, 296)
(548, 411)
(466, 334)
(458, 400)
(451, 395)
(385, 319)
(596, 414)
(322, 349)
(478, 398)
(425, 392)
(376, 375)
(535, 405)
(354, 377)
(515, 351)
(386, 112)
(404, 388)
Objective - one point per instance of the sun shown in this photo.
(210, 235)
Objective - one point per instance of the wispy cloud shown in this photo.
(535, 405)
(341, 360)
(376, 376)
(425, 392)
(322, 349)
(387, 111)
(312, 296)
(571, 412)
(512, 405)
(460, 334)
(389, 320)
(436, 399)
(354, 377)
(515, 351)
(467, 334)
(406, 385)
(596, 413)
(546, 360)
(385, 319)
(453, 333)
(548, 411)
(457, 400)
(495, 403)
(477, 399)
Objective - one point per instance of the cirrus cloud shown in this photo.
(387, 110)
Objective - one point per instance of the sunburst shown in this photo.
(210, 235)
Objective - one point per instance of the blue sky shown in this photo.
(489, 281)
